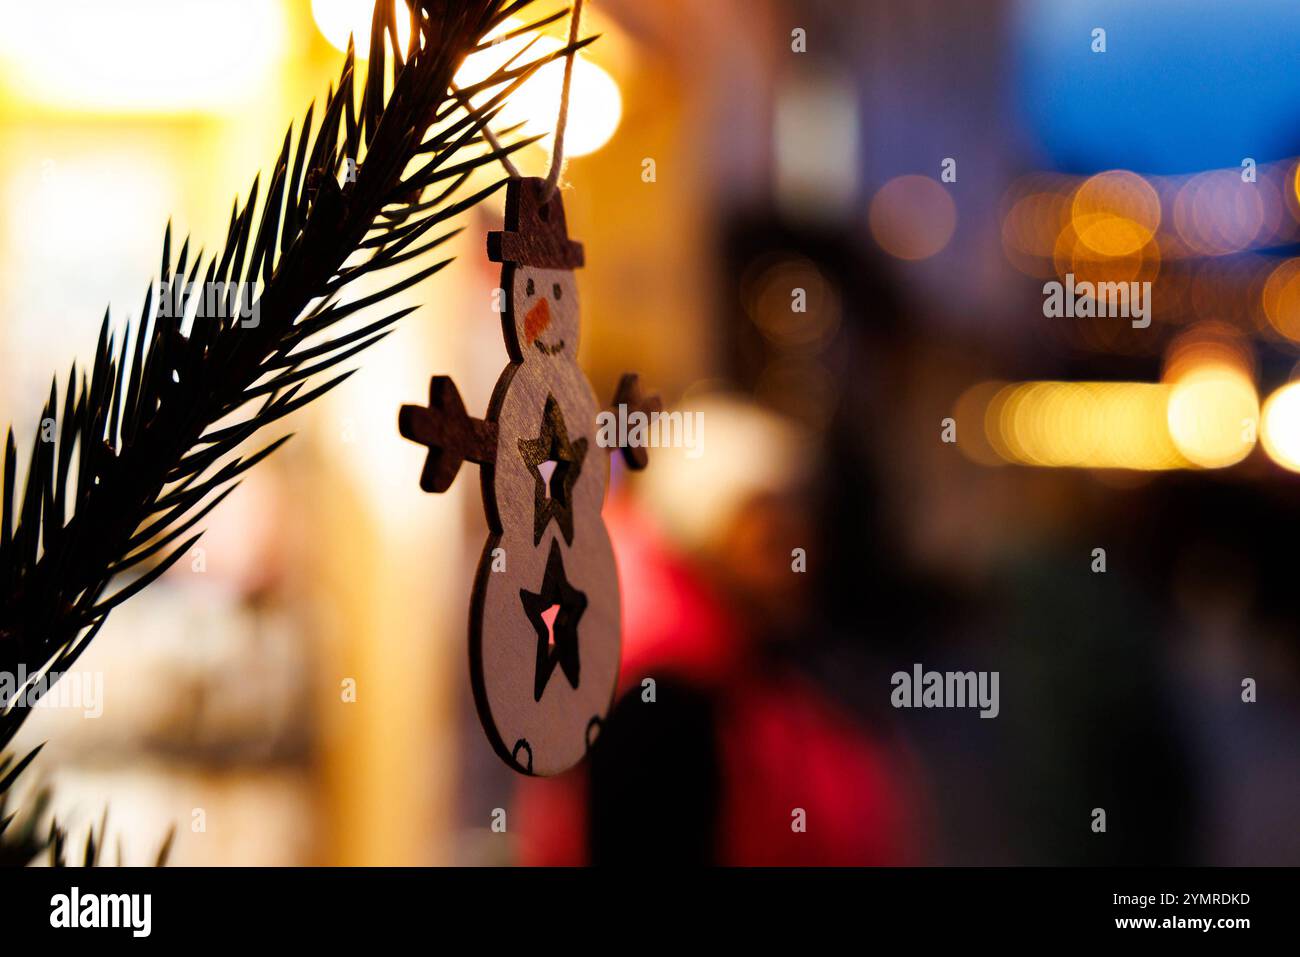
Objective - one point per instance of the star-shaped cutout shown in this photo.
(554, 613)
(553, 495)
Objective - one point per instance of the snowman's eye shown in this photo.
(531, 288)
(556, 290)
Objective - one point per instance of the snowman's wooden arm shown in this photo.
(450, 434)
(628, 398)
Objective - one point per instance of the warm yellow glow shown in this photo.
(1077, 252)
(1208, 345)
(1111, 235)
(595, 103)
(1280, 427)
(1116, 213)
(1214, 415)
(1208, 418)
(1281, 298)
(1104, 425)
(339, 19)
(140, 56)
(91, 211)
(595, 106)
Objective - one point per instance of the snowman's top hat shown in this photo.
(535, 233)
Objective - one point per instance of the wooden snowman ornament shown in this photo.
(544, 624)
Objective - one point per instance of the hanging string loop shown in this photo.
(557, 152)
(557, 156)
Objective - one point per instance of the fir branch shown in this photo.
(147, 441)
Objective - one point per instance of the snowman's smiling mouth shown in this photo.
(536, 322)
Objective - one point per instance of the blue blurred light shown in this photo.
(1184, 85)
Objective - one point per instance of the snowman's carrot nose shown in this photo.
(537, 319)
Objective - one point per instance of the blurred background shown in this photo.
(947, 458)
